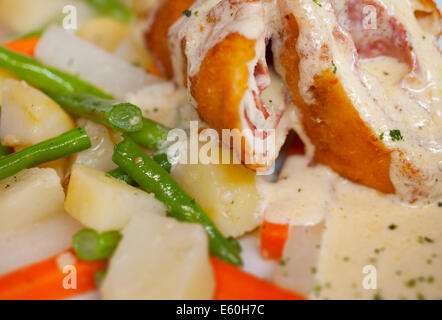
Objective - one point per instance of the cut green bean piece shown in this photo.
(4, 151)
(89, 245)
(123, 176)
(73, 141)
(113, 8)
(125, 117)
(163, 160)
(153, 135)
(153, 178)
(235, 244)
(51, 81)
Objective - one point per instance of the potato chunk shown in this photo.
(103, 203)
(29, 116)
(28, 197)
(25, 15)
(226, 192)
(104, 32)
(160, 258)
(3, 76)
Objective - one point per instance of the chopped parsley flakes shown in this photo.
(396, 135)
(317, 2)
(377, 296)
(187, 13)
(335, 68)
(422, 240)
(282, 262)
(392, 226)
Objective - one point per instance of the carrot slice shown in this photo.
(24, 46)
(155, 71)
(273, 239)
(45, 280)
(234, 284)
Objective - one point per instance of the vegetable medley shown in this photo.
(94, 203)
(72, 142)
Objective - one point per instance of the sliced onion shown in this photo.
(64, 51)
(37, 242)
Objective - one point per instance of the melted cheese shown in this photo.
(301, 197)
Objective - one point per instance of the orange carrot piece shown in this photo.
(273, 238)
(234, 284)
(155, 71)
(44, 280)
(24, 46)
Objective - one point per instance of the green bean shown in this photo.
(163, 160)
(49, 80)
(125, 117)
(73, 141)
(92, 246)
(153, 135)
(235, 244)
(113, 8)
(153, 178)
(120, 174)
(123, 176)
(4, 151)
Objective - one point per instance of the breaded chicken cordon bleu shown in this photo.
(360, 81)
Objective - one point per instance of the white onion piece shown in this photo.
(301, 254)
(66, 52)
(253, 262)
(36, 242)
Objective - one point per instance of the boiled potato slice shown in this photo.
(133, 49)
(104, 32)
(103, 203)
(25, 15)
(99, 156)
(28, 197)
(3, 76)
(160, 258)
(141, 7)
(226, 192)
(29, 116)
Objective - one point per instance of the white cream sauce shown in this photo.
(339, 228)
(403, 243)
(302, 196)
